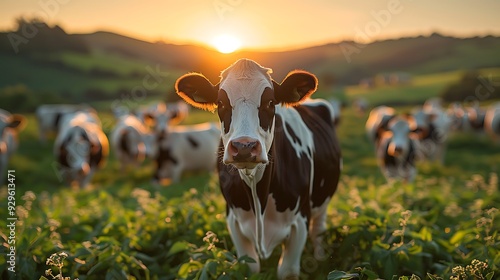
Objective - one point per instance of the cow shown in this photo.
(10, 126)
(377, 122)
(280, 160)
(49, 117)
(398, 150)
(186, 148)
(80, 148)
(457, 116)
(360, 105)
(431, 125)
(475, 116)
(159, 116)
(132, 141)
(336, 110)
(492, 122)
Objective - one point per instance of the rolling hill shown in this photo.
(105, 66)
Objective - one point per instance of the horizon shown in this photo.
(255, 25)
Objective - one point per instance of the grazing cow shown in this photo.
(377, 122)
(360, 106)
(81, 147)
(458, 117)
(186, 148)
(397, 150)
(279, 163)
(492, 122)
(476, 115)
(10, 126)
(132, 141)
(49, 117)
(431, 126)
(160, 115)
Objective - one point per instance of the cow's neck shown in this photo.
(252, 178)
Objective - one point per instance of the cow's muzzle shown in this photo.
(244, 152)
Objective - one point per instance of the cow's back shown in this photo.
(327, 155)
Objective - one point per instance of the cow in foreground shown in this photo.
(279, 163)
(81, 147)
(10, 126)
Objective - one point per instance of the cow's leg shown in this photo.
(243, 245)
(317, 228)
(84, 182)
(289, 264)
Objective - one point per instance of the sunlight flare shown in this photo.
(226, 43)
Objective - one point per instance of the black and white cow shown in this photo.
(49, 117)
(492, 122)
(186, 148)
(159, 116)
(132, 141)
(10, 126)
(431, 126)
(279, 163)
(377, 122)
(398, 150)
(80, 148)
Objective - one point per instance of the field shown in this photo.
(123, 227)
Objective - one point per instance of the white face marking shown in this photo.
(400, 136)
(244, 83)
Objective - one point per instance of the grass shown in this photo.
(126, 227)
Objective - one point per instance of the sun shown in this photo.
(226, 43)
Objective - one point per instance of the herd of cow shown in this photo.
(275, 149)
(401, 140)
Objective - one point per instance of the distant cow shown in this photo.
(492, 122)
(160, 115)
(49, 117)
(397, 150)
(10, 126)
(377, 121)
(81, 147)
(431, 126)
(279, 163)
(132, 142)
(186, 148)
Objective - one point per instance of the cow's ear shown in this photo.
(18, 122)
(198, 91)
(296, 87)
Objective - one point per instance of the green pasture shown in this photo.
(124, 227)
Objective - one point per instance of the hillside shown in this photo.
(107, 66)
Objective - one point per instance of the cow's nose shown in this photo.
(244, 149)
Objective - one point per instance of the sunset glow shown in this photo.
(226, 43)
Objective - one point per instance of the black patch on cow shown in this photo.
(57, 119)
(224, 110)
(267, 109)
(193, 142)
(327, 155)
(63, 152)
(292, 134)
(95, 155)
(163, 158)
(124, 143)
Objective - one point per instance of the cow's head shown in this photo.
(13, 122)
(245, 100)
(401, 134)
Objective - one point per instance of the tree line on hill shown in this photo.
(34, 35)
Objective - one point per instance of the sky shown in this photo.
(275, 24)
